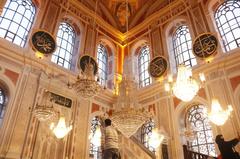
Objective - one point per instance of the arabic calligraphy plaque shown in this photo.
(205, 45)
(63, 101)
(158, 67)
(85, 60)
(43, 42)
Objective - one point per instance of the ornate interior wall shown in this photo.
(24, 75)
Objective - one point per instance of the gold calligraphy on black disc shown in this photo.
(88, 62)
(205, 45)
(158, 67)
(43, 42)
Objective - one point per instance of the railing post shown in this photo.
(185, 152)
(194, 155)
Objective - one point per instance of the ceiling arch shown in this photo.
(139, 11)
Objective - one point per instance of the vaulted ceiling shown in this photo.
(115, 12)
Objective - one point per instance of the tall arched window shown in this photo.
(16, 21)
(2, 104)
(143, 62)
(65, 45)
(95, 151)
(227, 19)
(182, 47)
(146, 132)
(203, 143)
(102, 59)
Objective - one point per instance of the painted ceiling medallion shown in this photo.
(158, 67)
(205, 45)
(43, 42)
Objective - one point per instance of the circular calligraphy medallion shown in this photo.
(85, 60)
(158, 67)
(43, 42)
(205, 45)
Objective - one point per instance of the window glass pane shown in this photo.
(227, 19)
(17, 40)
(21, 32)
(95, 151)
(64, 52)
(102, 59)
(146, 132)
(143, 62)
(204, 142)
(182, 46)
(5, 24)
(15, 15)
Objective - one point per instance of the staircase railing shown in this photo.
(135, 140)
(188, 154)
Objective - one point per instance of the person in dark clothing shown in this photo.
(227, 147)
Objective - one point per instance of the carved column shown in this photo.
(52, 13)
(156, 41)
(81, 129)
(20, 117)
(90, 44)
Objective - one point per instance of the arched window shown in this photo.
(65, 45)
(143, 62)
(182, 47)
(2, 104)
(203, 143)
(146, 132)
(227, 19)
(16, 21)
(102, 59)
(95, 151)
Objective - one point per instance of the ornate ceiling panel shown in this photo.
(115, 12)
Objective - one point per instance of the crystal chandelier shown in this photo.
(185, 87)
(86, 84)
(60, 130)
(128, 117)
(44, 112)
(217, 115)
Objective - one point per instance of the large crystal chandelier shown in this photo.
(61, 129)
(86, 84)
(217, 115)
(128, 117)
(185, 87)
(44, 112)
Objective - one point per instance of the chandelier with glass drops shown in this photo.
(217, 115)
(87, 84)
(128, 117)
(61, 129)
(44, 112)
(186, 87)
